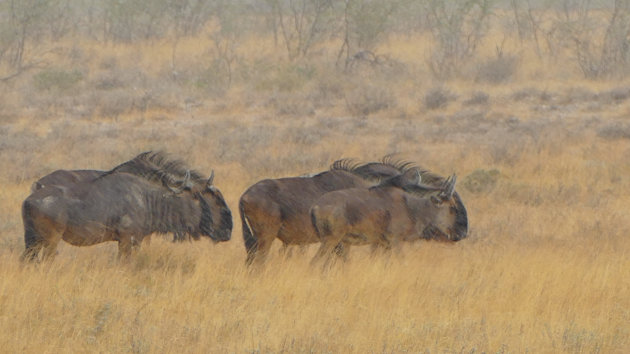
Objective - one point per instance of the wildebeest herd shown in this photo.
(377, 203)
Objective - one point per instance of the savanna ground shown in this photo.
(541, 148)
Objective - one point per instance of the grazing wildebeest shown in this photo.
(149, 165)
(389, 213)
(123, 207)
(279, 208)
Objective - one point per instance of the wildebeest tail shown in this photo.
(31, 239)
(251, 243)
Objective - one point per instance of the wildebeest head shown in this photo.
(216, 218)
(448, 220)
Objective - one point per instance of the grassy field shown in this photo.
(544, 171)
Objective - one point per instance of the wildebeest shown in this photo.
(149, 165)
(279, 208)
(65, 178)
(123, 207)
(389, 213)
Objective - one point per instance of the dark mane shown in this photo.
(386, 168)
(401, 165)
(156, 166)
(345, 165)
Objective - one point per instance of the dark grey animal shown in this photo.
(150, 165)
(384, 215)
(279, 208)
(65, 178)
(123, 207)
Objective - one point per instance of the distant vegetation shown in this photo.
(526, 101)
(299, 50)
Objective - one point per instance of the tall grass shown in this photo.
(546, 267)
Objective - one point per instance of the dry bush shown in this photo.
(368, 99)
(497, 70)
(112, 104)
(533, 95)
(289, 77)
(616, 95)
(437, 98)
(477, 98)
(328, 90)
(617, 130)
(215, 79)
(290, 105)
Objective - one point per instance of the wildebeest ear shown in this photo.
(210, 179)
(412, 177)
(435, 200)
(185, 183)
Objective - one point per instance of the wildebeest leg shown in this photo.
(31, 253)
(342, 250)
(329, 232)
(127, 245)
(179, 236)
(264, 245)
(50, 246)
(382, 245)
(330, 244)
(265, 233)
(40, 233)
(286, 250)
(325, 251)
(302, 249)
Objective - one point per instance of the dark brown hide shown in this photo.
(387, 214)
(279, 208)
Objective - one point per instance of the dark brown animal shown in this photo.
(387, 214)
(279, 208)
(123, 207)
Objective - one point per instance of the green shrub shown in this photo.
(481, 181)
(56, 79)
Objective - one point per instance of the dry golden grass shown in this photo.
(546, 267)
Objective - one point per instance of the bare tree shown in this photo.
(598, 36)
(20, 32)
(457, 28)
(364, 24)
(301, 23)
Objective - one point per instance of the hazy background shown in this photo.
(527, 101)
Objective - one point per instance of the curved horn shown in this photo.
(186, 181)
(210, 179)
(450, 187)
